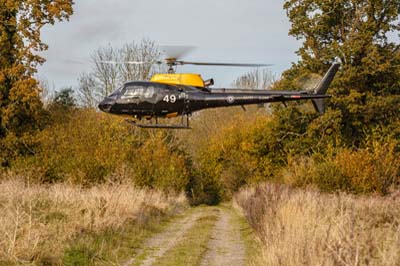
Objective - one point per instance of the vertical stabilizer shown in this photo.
(323, 86)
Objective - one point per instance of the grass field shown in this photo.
(109, 224)
(305, 227)
(62, 224)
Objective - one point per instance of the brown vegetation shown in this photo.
(299, 227)
(258, 148)
(38, 221)
(373, 169)
(85, 147)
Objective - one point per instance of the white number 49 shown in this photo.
(170, 98)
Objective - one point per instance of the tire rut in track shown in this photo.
(159, 244)
(225, 246)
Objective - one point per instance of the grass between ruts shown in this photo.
(191, 249)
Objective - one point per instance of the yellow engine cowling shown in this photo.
(194, 80)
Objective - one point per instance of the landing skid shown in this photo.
(165, 126)
(182, 125)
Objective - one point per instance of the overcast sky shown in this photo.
(252, 31)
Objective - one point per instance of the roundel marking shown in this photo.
(230, 99)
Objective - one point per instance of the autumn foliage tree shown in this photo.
(360, 33)
(20, 107)
(354, 146)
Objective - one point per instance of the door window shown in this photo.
(148, 92)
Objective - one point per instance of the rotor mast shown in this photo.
(170, 62)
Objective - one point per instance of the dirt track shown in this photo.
(224, 247)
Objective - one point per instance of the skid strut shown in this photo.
(183, 125)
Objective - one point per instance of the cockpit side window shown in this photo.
(133, 92)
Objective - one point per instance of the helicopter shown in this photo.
(171, 95)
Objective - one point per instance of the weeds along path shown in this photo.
(203, 236)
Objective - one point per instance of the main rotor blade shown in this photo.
(130, 62)
(220, 64)
(75, 62)
(176, 51)
(179, 62)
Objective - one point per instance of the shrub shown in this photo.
(236, 157)
(90, 148)
(160, 164)
(374, 169)
(204, 189)
(82, 149)
(257, 148)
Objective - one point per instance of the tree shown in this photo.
(255, 80)
(86, 90)
(65, 98)
(107, 77)
(20, 107)
(46, 91)
(366, 92)
(145, 51)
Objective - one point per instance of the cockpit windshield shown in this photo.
(115, 94)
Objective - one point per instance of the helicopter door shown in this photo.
(170, 101)
(148, 98)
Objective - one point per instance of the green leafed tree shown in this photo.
(21, 110)
(363, 34)
(65, 98)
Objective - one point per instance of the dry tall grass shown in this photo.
(37, 221)
(300, 227)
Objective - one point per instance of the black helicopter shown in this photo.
(171, 95)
